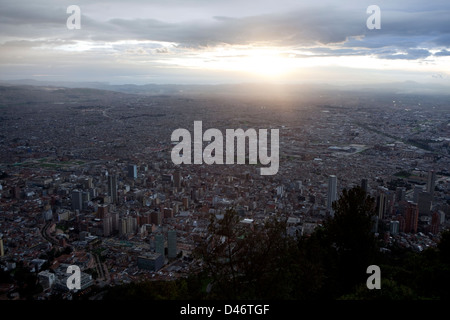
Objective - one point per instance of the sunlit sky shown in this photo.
(225, 41)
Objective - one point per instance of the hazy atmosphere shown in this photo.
(210, 42)
(212, 153)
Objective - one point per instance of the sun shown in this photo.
(268, 62)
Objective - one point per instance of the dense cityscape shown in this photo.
(87, 177)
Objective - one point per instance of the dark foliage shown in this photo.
(331, 263)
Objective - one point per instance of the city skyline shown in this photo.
(136, 163)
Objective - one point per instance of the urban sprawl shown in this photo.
(87, 174)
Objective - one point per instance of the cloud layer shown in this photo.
(126, 35)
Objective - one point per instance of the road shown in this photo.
(46, 235)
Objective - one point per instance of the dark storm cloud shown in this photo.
(304, 28)
(307, 27)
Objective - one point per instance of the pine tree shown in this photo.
(350, 233)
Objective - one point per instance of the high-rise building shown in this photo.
(171, 244)
(107, 226)
(115, 221)
(400, 193)
(168, 213)
(112, 188)
(156, 217)
(332, 193)
(435, 222)
(102, 211)
(364, 185)
(411, 217)
(122, 226)
(92, 193)
(394, 227)
(424, 203)
(87, 183)
(159, 244)
(152, 262)
(131, 224)
(46, 279)
(77, 200)
(2, 250)
(132, 171)
(177, 179)
(442, 216)
(431, 181)
(385, 202)
(86, 197)
(185, 202)
(381, 205)
(375, 222)
(401, 221)
(417, 190)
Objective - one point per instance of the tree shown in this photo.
(27, 282)
(335, 257)
(264, 262)
(218, 253)
(350, 233)
(444, 246)
(248, 262)
(390, 290)
(316, 273)
(180, 289)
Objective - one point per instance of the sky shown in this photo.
(226, 41)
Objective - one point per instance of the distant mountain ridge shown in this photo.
(407, 87)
